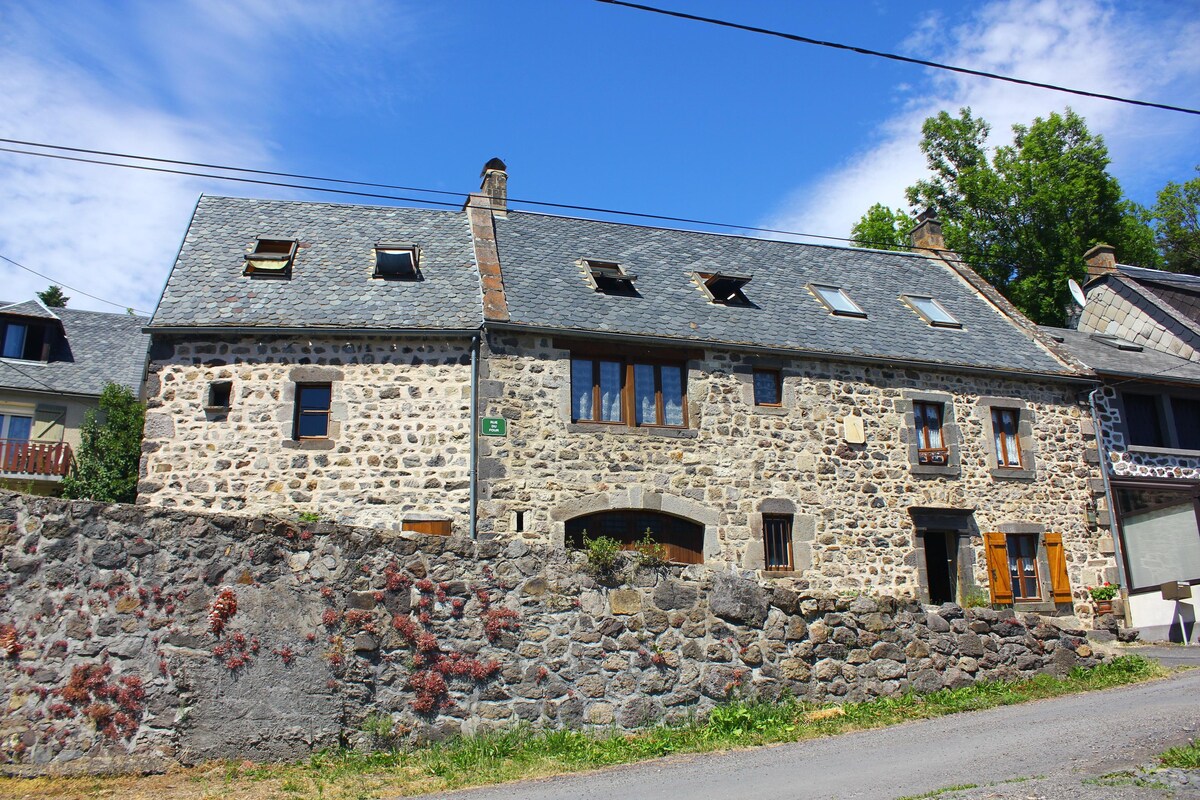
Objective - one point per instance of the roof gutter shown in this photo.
(306, 331)
(822, 355)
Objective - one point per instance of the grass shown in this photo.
(522, 752)
(962, 787)
(1186, 757)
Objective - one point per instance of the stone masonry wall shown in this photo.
(399, 442)
(132, 637)
(852, 528)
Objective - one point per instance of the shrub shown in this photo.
(602, 553)
(106, 463)
(650, 553)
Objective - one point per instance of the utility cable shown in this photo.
(894, 56)
(59, 283)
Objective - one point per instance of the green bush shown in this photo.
(602, 553)
(110, 452)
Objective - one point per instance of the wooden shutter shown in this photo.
(996, 547)
(435, 527)
(1056, 557)
(49, 423)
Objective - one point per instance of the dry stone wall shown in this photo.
(132, 637)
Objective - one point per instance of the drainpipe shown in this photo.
(1102, 451)
(474, 430)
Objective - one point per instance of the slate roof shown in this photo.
(98, 348)
(545, 288)
(1180, 293)
(1091, 349)
(331, 284)
(30, 308)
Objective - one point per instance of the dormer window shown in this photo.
(724, 288)
(837, 301)
(608, 277)
(397, 261)
(272, 258)
(931, 311)
(24, 341)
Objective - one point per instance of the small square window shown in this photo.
(777, 542)
(932, 311)
(219, 393)
(768, 387)
(272, 258)
(608, 277)
(399, 261)
(312, 410)
(931, 447)
(725, 289)
(837, 301)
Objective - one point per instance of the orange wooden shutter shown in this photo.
(436, 527)
(1056, 557)
(996, 547)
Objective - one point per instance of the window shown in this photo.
(932, 311)
(931, 449)
(641, 394)
(768, 387)
(1004, 428)
(725, 289)
(681, 539)
(609, 278)
(271, 258)
(1186, 413)
(837, 301)
(312, 410)
(1153, 420)
(23, 341)
(14, 427)
(397, 261)
(218, 394)
(14, 340)
(1019, 560)
(777, 542)
(1022, 566)
(1159, 535)
(1144, 420)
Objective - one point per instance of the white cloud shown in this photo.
(1083, 44)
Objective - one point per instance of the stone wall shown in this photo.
(132, 637)
(852, 527)
(399, 444)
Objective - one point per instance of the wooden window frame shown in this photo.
(271, 248)
(629, 522)
(628, 390)
(298, 411)
(1003, 441)
(785, 521)
(1016, 580)
(778, 375)
(926, 453)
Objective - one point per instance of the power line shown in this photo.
(895, 56)
(57, 282)
(12, 366)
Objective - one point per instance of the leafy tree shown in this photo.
(106, 465)
(883, 228)
(1176, 219)
(53, 297)
(1024, 214)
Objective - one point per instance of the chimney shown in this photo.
(495, 186)
(1101, 260)
(927, 234)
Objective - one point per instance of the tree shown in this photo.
(1024, 214)
(106, 465)
(1176, 219)
(883, 228)
(53, 297)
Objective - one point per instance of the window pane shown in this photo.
(766, 388)
(838, 300)
(932, 311)
(311, 424)
(643, 387)
(14, 341)
(1187, 422)
(610, 391)
(1004, 424)
(19, 428)
(314, 398)
(1142, 420)
(1159, 534)
(672, 393)
(581, 388)
(929, 424)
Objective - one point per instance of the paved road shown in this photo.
(1066, 740)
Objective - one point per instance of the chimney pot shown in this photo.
(495, 186)
(1101, 260)
(927, 234)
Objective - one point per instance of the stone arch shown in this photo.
(637, 499)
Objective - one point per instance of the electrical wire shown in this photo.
(62, 285)
(792, 37)
(12, 366)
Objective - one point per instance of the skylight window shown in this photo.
(725, 289)
(1116, 341)
(272, 257)
(932, 311)
(397, 261)
(609, 277)
(837, 301)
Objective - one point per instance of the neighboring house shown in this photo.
(54, 364)
(838, 418)
(1140, 332)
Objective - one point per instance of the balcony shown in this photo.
(35, 460)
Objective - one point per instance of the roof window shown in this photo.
(1116, 341)
(608, 277)
(724, 288)
(836, 300)
(931, 311)
(272, 258)
(397, 261)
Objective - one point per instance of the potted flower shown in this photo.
(1102, 596)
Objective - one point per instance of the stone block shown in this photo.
(738, 599)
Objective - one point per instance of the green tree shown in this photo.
(1024, 214)
(106, 465)
(1176, 220)
(53, 297)
(883, 228)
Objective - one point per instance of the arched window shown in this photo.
(682, 538)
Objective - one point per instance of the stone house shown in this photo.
(833, 418)
(1139, 331)
(55, 362)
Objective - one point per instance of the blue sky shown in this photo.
(588, 104)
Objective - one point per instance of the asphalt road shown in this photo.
(1045, 749)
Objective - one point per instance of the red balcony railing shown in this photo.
(43, 459)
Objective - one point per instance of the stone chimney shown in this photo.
(495, 186)
(1101, 260)
(927, 234)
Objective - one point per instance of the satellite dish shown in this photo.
(1077, 292)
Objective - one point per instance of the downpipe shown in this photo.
(472, 478)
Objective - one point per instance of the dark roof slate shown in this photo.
(1106, 359)
(29, 308)
(546, 288)
(331, 284)
(98, 348)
